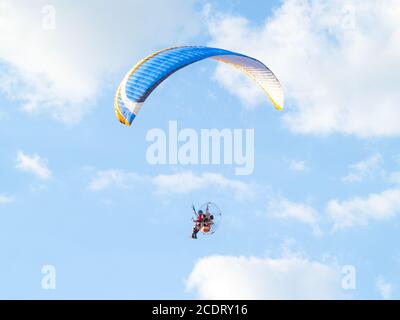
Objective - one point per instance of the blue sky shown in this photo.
(325, 188)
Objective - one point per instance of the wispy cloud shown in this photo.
(176, 183)
(33, 164)
(184, 182)
(297, 165)
(5, 199)
(342, 214)
(394, 177)
(232, 277)
(319, 53)
(359, 211)
(281, 208)
(114, 178)
(364, 169)
(385, 288)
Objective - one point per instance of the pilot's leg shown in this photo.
(194, 233)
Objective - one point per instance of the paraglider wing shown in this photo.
(147, 74)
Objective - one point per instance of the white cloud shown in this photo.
(33, 164)
(113, 178)
(358, 211)
(182, 182)
(60, 71)
(394, 177)
(363, 169)
(185, 182)
(281, 208)
(345, 214)
(229, 277)
(385, 288)
(338, 63)
(297, 165)
(5, 199)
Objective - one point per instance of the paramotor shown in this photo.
(207, 219)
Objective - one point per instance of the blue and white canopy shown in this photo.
(147, 74)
